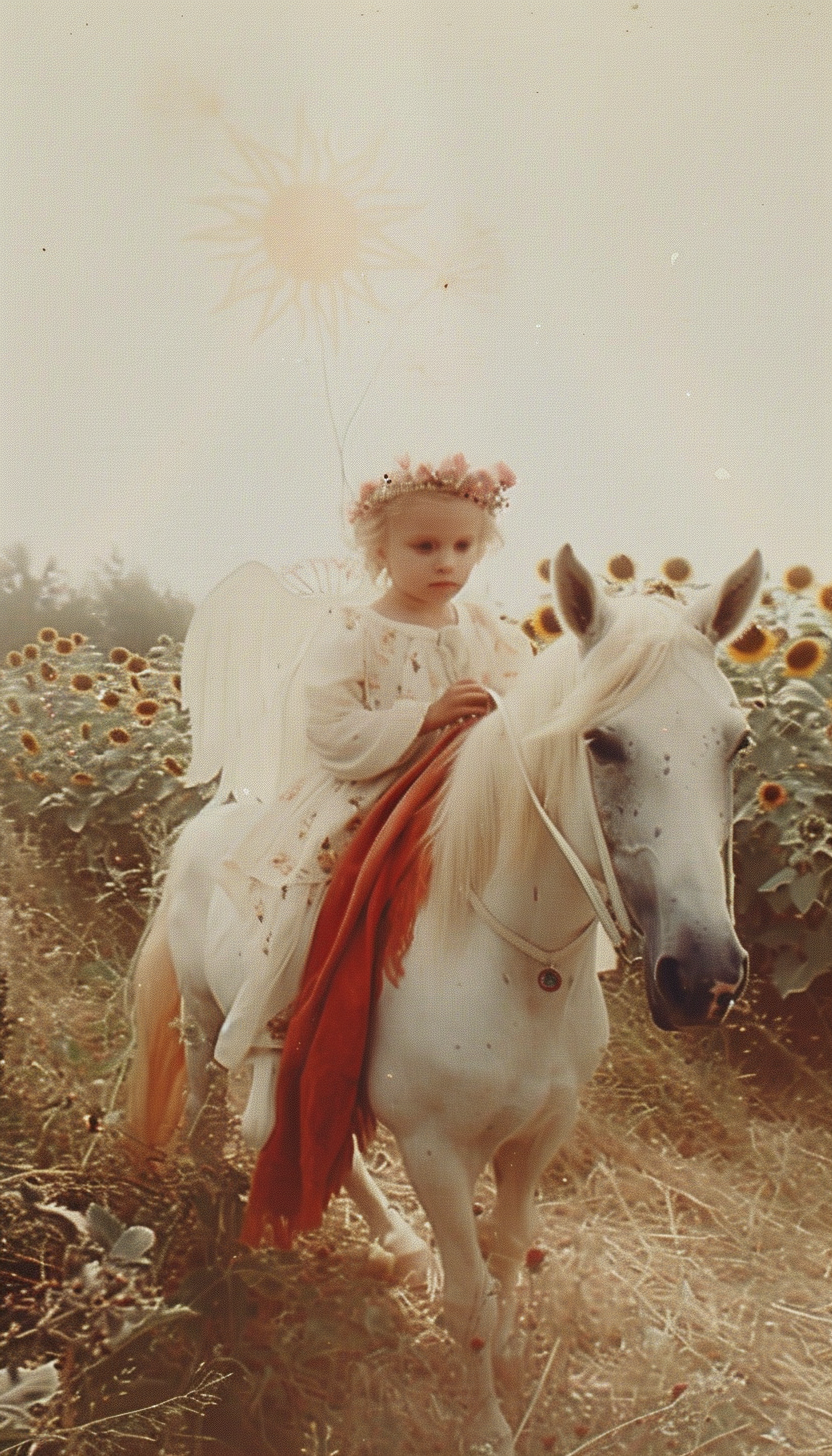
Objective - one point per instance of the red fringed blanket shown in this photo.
(365, 923)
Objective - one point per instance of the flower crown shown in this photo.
(484, 488)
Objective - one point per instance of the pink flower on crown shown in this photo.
(481, 480)
(452, 470)
(485, 488)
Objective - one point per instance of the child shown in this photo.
(380, 685)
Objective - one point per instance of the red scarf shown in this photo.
(365, 924)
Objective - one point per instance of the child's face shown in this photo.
(431, 547)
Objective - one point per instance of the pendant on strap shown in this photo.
(550, 979)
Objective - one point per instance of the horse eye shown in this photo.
(604, 746)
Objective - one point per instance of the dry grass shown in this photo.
(683, 1305)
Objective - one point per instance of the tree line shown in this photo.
(116, 606)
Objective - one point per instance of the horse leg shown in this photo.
(445, 1187)
(518, 1165)
(201, 1021)
(411, 1255)
(259, 1116)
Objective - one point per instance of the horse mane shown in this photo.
(554, 701)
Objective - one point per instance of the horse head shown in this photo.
(660, 751)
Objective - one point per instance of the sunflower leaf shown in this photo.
(782, 877)
(803, 891)
(799, 692)
(103, 1225)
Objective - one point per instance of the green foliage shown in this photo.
(783, 787)
(96, 743)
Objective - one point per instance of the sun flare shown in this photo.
(306, 230)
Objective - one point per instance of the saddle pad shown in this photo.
(364, 929)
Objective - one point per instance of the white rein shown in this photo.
(613, 917)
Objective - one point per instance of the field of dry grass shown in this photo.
(679, 1299)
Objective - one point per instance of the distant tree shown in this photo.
(131, 612)
(115, 607)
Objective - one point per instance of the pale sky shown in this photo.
(629, 204)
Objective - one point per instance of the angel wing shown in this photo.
(241, 679)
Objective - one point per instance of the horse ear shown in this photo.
(720, 609)
(582, 606)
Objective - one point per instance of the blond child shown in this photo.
(380, 684)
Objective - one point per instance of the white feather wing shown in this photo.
(241, 672)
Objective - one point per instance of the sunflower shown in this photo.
(86, 731)
(47, 635)
(172, 766)
(119, 655)
(31, 651)
(81, 682)
(545, 624)
(752, 645)
(804, 657)
(64, 645)
(146, 709)
(30, 743)
(176, 682)
(771, 795)
(119, 736)
(677, 569)
(621, 567)
(137, 663)
(78, 638)
(14, 659)
(109, 700)
(82, 780)
(37, 777)
(13, 706)
(305, 231)
(797, 578)
(825, 597)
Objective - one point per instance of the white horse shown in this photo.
(625, 731)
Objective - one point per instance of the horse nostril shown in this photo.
(669, 980)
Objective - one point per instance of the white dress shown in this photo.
(369, 682)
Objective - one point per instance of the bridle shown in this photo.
(613, 916)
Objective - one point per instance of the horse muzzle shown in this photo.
(697, 986)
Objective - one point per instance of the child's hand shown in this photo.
(466, 699)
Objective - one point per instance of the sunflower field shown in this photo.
(93, 750)
(677, 1297)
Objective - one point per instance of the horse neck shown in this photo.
(537, 892)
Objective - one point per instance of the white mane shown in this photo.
(554, 701)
